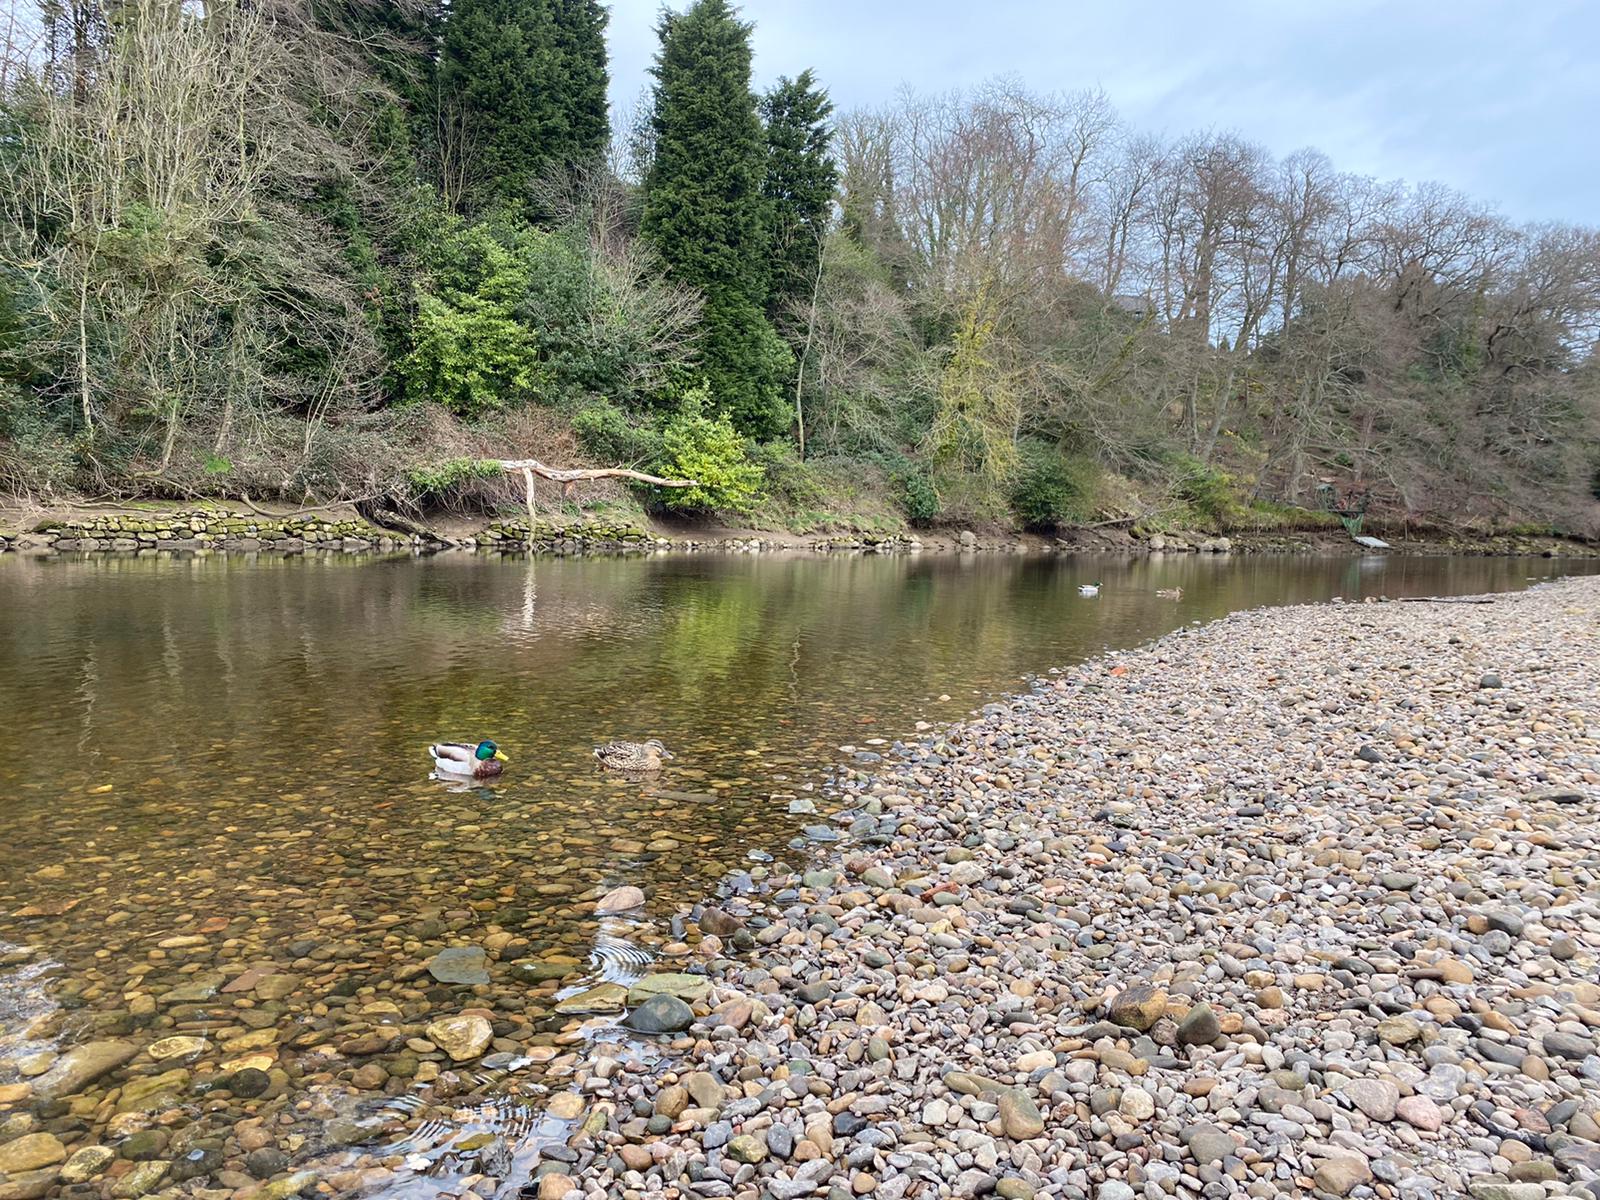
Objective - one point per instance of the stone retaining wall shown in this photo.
(217, 529)
(596, 538)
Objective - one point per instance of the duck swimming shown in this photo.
(1170, 593)
(483, 761)
(1088, 589)
(632, 756)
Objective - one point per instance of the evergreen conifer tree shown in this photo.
(799, 185)
(523, 85)
(704, 208)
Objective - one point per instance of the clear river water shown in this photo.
(220, 822)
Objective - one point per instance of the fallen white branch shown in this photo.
(568, 477)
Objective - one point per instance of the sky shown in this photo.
(1499, 100)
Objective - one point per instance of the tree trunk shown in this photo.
(1217, 417)
(83, 356)
(805, 352)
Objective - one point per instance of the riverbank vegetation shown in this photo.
(310, 250)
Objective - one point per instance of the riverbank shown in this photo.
(172, 528)
(1301, 902)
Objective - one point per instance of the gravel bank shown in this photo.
(1303, 902)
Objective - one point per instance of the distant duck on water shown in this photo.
(1170, 593)
(632, 756)
(463, 759)
(1088, 589)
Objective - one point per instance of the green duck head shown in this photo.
(488, 750)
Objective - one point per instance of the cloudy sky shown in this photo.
(1500, 100)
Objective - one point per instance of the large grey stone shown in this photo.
(460, 964)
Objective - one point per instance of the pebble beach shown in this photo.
(1303, 902)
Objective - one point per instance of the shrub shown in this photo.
(914, 492)
(789, 477)
(443, 482)
(469, 356)
(609, 434)
(919, 498)
(709, 450)
(37, 453)
(469, 351)
(1046, 490)
(1209, 492)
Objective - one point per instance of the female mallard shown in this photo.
(1170, 593)
(632, 756)
(482, 761)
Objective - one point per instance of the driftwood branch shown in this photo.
(568, 476)
(578, 474)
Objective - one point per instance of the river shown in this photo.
(215, 767)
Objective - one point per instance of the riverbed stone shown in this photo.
(602, 998)
(1341, 1174)
(81, 1065)
(1376, 1098)
(691, 989)
(1019, 1114)
(175, 1047)
(30, 1152)
(1138, 1007)
(620, 899)
(661, 1013)
(87, 1162)
(1199, 1026)
(463, 1038)
(468, 965)
(150, 1093)
(1208, 1143)
(143, 1179)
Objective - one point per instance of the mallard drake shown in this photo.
(1170, 593)
(483, 761)
(632, 756)
(1088, 589)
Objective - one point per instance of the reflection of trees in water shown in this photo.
(263, 723)
(174, 679)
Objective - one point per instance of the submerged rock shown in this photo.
(81, 1066)
(661, 1014)
(462, 1038)
(467, 965)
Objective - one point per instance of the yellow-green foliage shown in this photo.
(974, 426)
(707, 449)
(469, 352)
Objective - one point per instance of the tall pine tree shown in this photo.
(799, 186)
(704, 209)
(522, 87)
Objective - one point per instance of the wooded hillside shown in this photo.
(323, 249)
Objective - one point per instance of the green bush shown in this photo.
(469, 351)
(1209, 492)
(915, 493)
(1046, 490)
(37, 453)
(613, 436)
(443, 482)
(789, 478)
(709, 450)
